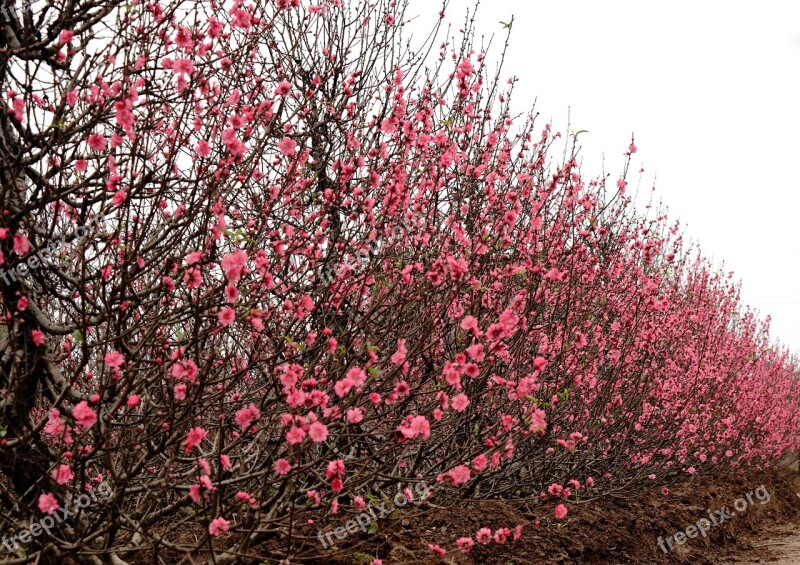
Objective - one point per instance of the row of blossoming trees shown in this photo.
(299, 262)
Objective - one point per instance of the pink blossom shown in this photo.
(226, 316)
(560, 512)
(335, 469)
(388, 126)
(37, 336)
(97, 142)
(133, 400)
(21, 244)
(295, 435)
(194, 438)
(283, 89)
(48, 503)
(465, 544)
(282, 466)
(414, 426)
(465, 68)
(194, 257)
(62, 474)
(203, 148)
(65, 36)
(459, 402)
(233, 264)
(287, 146)
(318, 432)
(569, 444)
(484, 536)
(84, 415)
(245, 496)
(231, 293)
(470, 323)
(538, 423)
(54, 425)
(436, 549)
(218, 525)
(182, 66)
(72, 99)
(456, 476)
(194, 494)
(245, 416)
(355, 415)
(479, 463)
(342, 387)
(357, 376)
(501, 535)
(114, 359)
(399, 356)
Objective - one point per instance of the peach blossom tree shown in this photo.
(262, 258)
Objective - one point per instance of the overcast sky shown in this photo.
(712, 92)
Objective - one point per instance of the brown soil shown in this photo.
(783, 548)
(613, 531)
(606, 531)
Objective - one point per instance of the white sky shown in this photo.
(711, 90)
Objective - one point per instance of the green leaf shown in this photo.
(3, 431)
(373, 528)
(78, 336)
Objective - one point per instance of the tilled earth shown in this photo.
(609, 530)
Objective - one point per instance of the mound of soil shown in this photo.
(608, 530)
(604, 531)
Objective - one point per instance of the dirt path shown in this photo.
(783, 547)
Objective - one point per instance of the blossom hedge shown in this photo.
(319, 262)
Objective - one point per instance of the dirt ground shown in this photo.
(607, 531)
(783, 548)
(611, 531)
